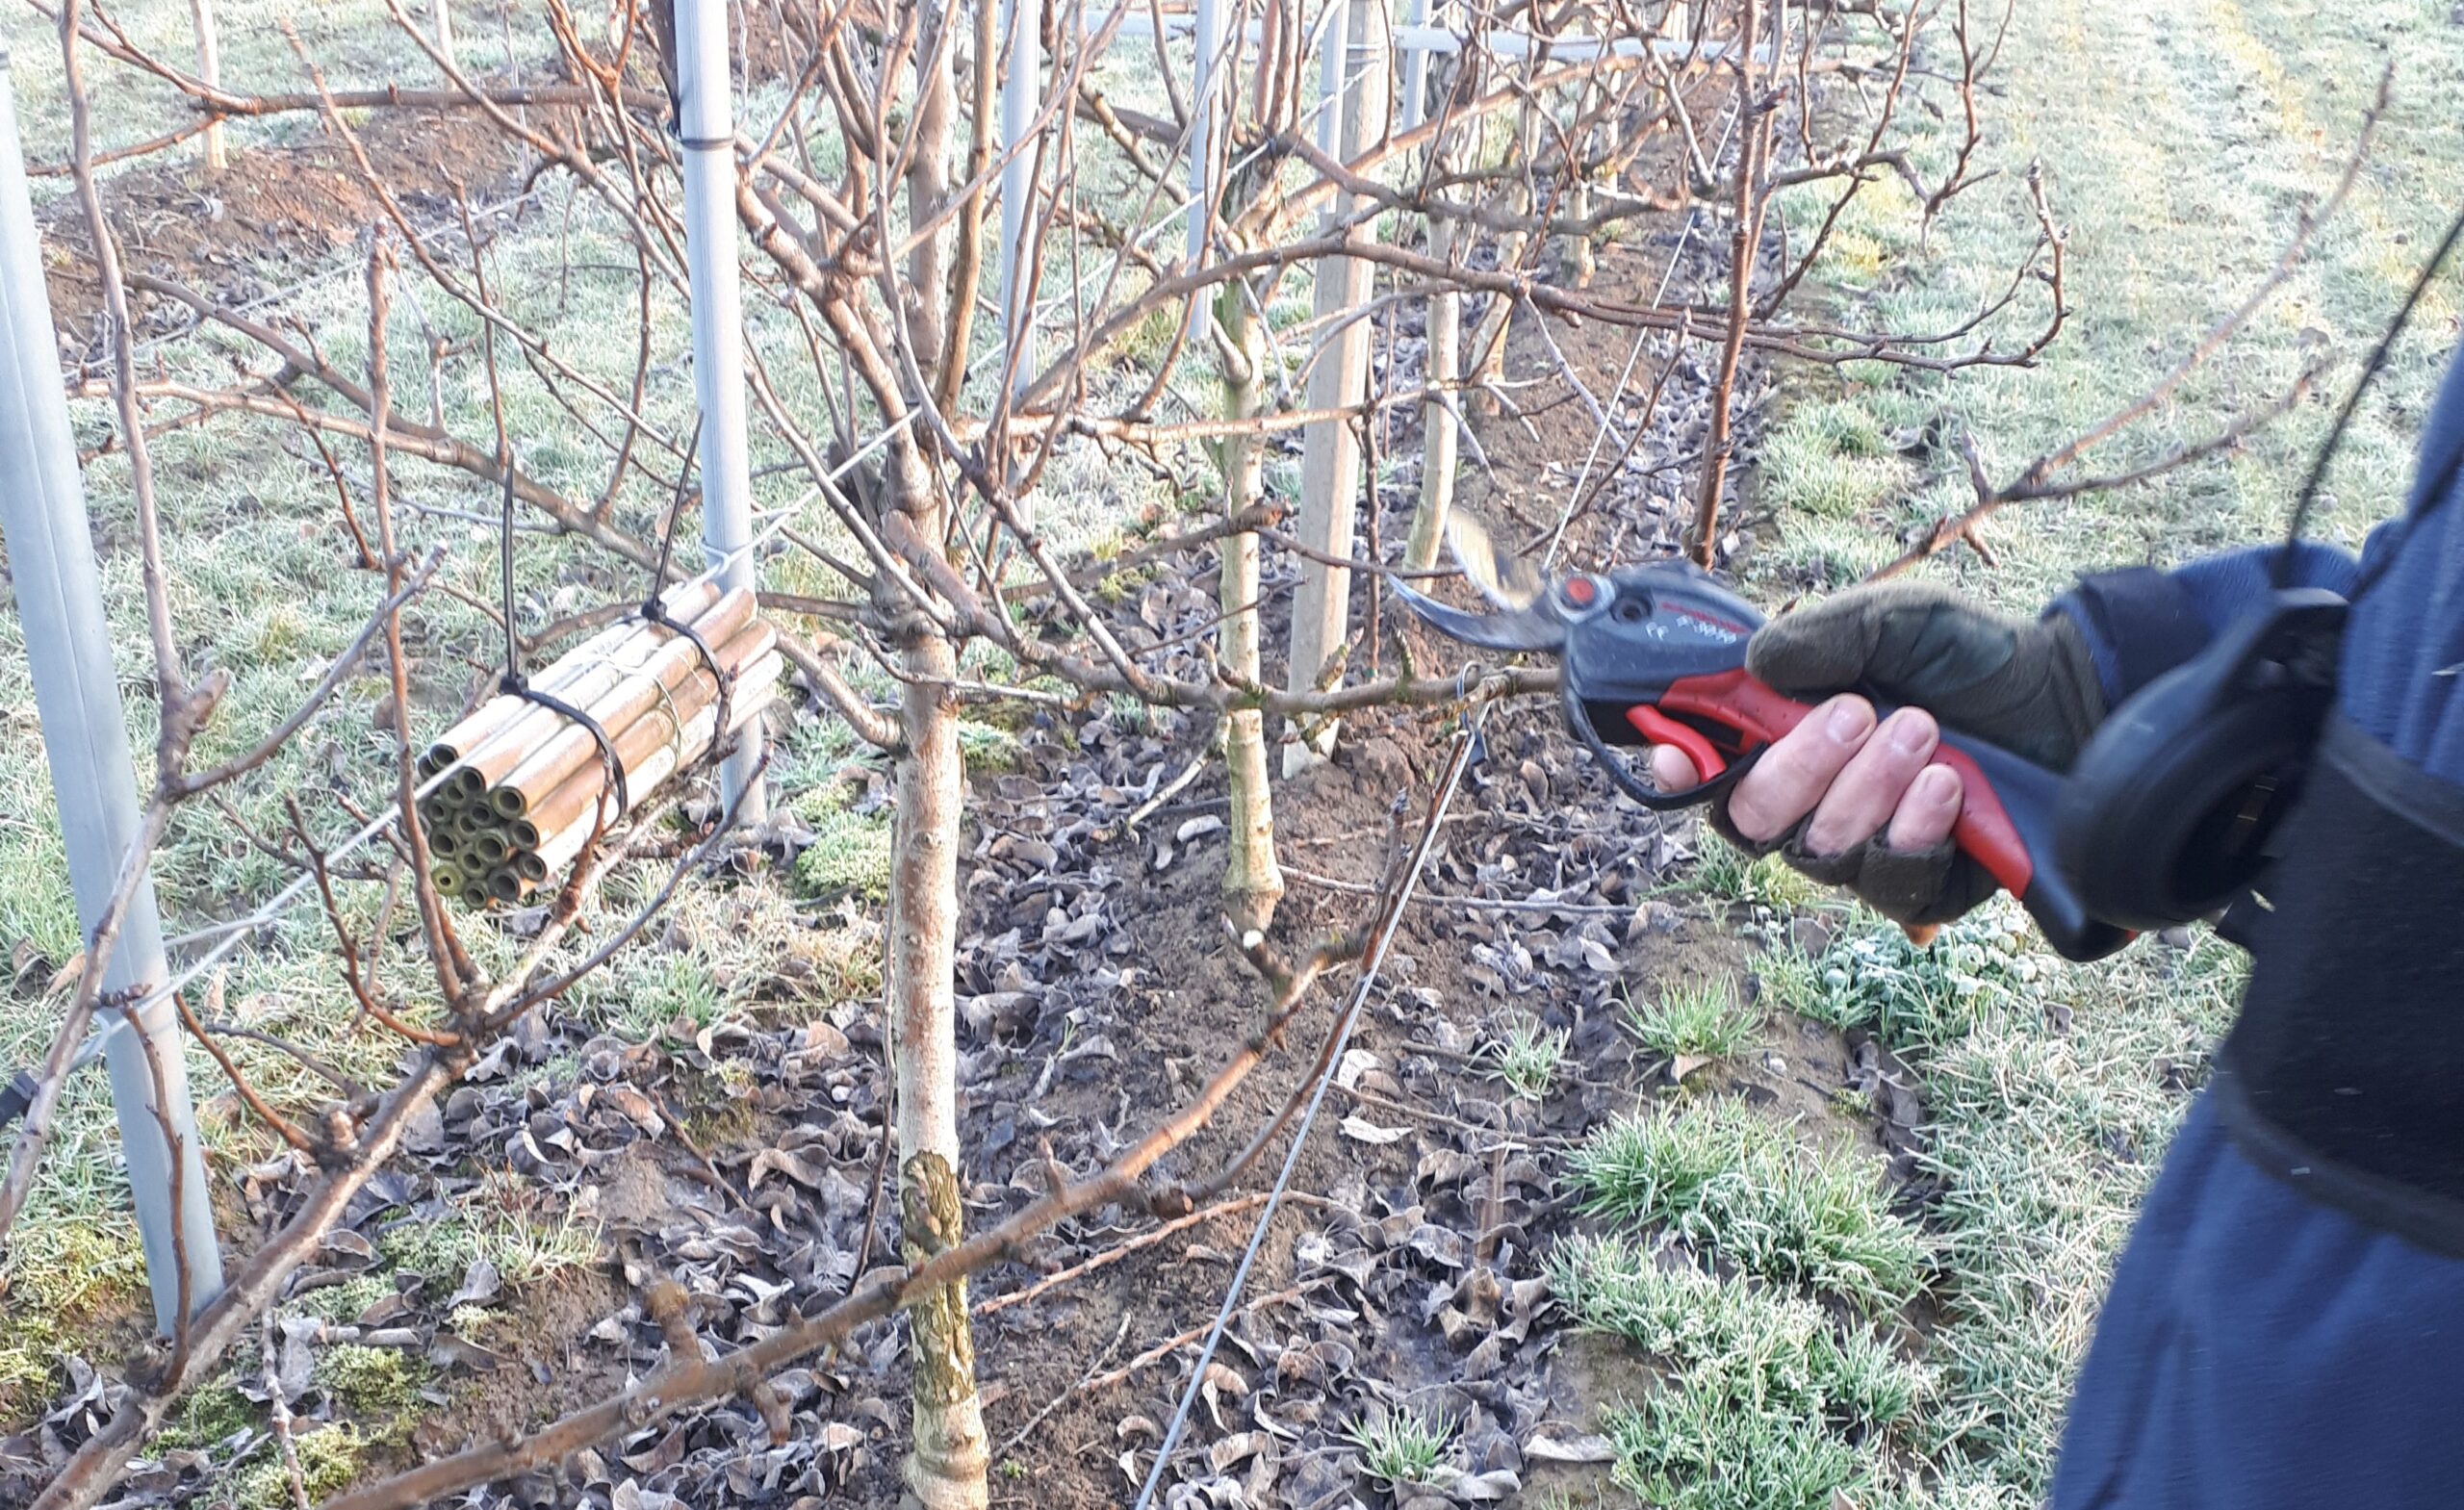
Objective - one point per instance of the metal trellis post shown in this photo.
(707, 108)
(1021, 87)
(1018, 105)
(1205, 189)
(84, 733)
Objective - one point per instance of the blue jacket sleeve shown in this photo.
(2141, 623)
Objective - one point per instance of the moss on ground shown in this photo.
(370, 1383)
(329, 1458)
(850, 851)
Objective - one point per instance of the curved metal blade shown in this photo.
(1507, 580)
(1530, 630)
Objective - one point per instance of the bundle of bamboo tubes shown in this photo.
(524, 784)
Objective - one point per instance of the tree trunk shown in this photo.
(946, 1471)
(1487, 368)
(1439, 437)
(1744, 237)
(1580, 264)
(1252, 883)
(947, 1468)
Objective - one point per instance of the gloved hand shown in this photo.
(1866, 808)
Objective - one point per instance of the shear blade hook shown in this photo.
(1527, 630)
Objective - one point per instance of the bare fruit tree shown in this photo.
(943, 438)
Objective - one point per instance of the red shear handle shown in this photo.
(2006, 803)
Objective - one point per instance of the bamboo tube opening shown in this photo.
(447, 878)
(443, 842)
(524, 787)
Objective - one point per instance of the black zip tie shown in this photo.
(655, 611)
(676, 127)
(654, 606)
(514, 686)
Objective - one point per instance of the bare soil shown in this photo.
(274, 214)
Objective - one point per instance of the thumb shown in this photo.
(1912, 642)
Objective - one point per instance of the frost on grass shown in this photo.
(850, 850)
(1701, 1017)
(1401, 1448)
(1528, 1053)
(1769, 1404)
(2050, 1094)
(1728, 874)
(1736, 1186)
(1832, 460)
(1913, 997)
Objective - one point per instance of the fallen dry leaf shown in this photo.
(1362, 1130)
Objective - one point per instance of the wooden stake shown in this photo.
(1330, 455)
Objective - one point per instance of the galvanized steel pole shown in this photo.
(85, 734)
(1018, 105)
(1204, 134)
(706, 105)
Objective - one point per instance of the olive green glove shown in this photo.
(2030, 687)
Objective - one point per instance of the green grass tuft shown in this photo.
(1398, 1447)
(1701, 1017)
(1831, 461)
(1736, 1185)
(1871, 977)
(1769, 1404)
(527, 1236)
(1725, 873)
(1529, 1056)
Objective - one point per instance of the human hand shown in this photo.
(1866, 806)
(1845, 779)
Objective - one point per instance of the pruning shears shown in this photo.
(1655, 654)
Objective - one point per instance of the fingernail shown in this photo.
(1939, 786)
(1910, 735)
(1848, 722)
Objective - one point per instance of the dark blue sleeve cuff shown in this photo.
(2140, 623)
